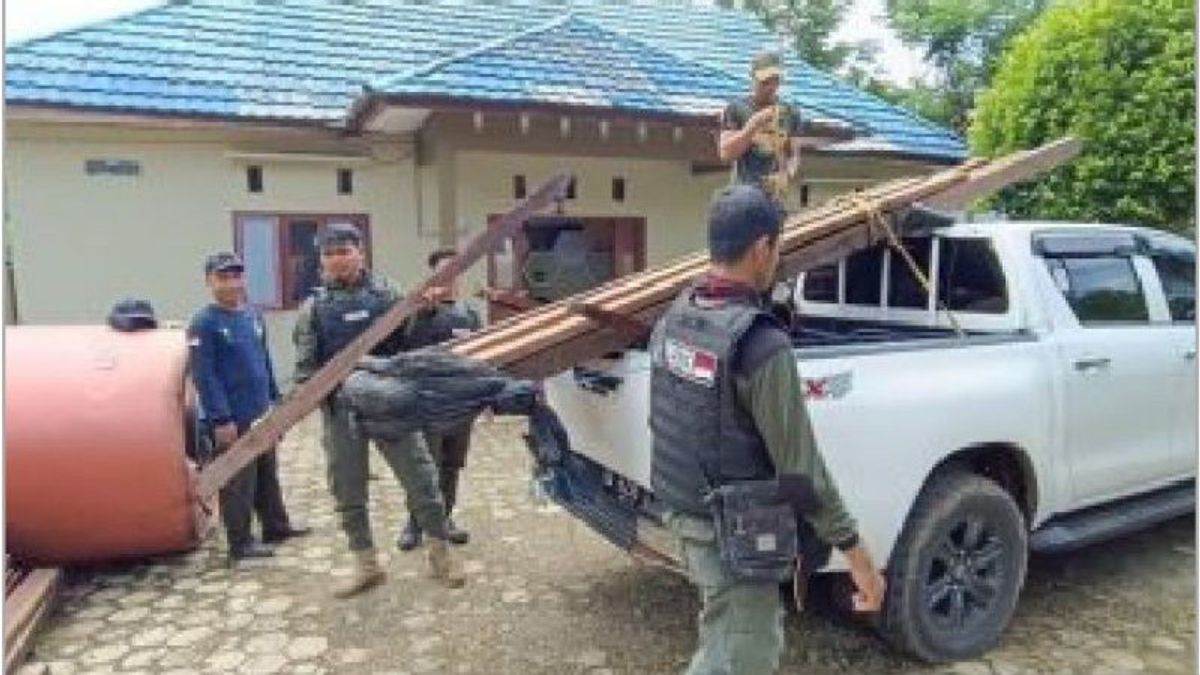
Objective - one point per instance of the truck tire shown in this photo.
(956, 571)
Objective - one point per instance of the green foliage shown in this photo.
(962, 39)
(807, 25)
(928, 102)
(1119, 75)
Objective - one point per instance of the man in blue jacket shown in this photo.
(231, 368)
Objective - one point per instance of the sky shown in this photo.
(24, 19)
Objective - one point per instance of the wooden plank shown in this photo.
(630, 327)
(305, 398)
(19, 647)
(24, 611)
(639, 293)
(552, 339)
(1014, 168)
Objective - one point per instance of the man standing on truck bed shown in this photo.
(759, 132)
(727, 410)
(348, 301)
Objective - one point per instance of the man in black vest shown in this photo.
(445, 319)
(727, 407)
(349, 300)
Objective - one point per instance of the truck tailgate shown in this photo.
(607, 421)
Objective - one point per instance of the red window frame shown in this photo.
(283, 238)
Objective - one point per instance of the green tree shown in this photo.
(927, 101)
(807, 25)
(963, 40)
(1119, 75)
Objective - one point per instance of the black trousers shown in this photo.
(254, 489)
(449, 451)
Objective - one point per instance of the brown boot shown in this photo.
(367, 574)
(443, 566)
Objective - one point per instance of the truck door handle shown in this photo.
(596, 382)
(1094, 363)
(1189, 355)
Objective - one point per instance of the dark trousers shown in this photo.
(254, 489)
(449, 451)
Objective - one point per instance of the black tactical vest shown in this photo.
(446, 321)
(702, 436)
(342, 316)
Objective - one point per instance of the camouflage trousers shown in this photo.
(740, 623)
(347, 472)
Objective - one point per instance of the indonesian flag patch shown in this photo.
(690, 363)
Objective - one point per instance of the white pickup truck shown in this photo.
(1043, 399)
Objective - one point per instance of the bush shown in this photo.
(1119, 75)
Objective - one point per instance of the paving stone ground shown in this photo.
(546, 596)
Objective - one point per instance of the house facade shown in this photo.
(137, 146)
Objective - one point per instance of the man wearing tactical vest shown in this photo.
(758, 133)
(444, 320)
(348, 301)
(728, 414)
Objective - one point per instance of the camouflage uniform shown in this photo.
(760, 160)
(345, 447)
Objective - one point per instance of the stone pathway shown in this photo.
(546, 596)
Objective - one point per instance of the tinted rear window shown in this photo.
(821, 284)
(970, 278)
(864, 276)
(904, 288)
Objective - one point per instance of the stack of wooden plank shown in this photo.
(557, 336)
(27, 604)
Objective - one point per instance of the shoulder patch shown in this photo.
(691, 363)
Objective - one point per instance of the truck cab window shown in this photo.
(864, 275)
(1100, 289)
(821, 284)
(970, 278)
(904, 289)
(1177, 272)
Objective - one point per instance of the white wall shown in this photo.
(81, 242)
(672, 200)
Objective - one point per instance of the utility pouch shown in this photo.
(756, 529)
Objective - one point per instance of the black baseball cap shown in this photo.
(339, 234)
(223, 262)
(132, 314)
(738, 216)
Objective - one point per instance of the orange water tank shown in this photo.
(96, 431)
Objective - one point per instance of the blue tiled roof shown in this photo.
(309, 60)
(559, 63)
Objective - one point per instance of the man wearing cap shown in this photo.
(231, 368)
(132, 314)
(727, 408)
(758, 133)
(349, 300)
(445, 319)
